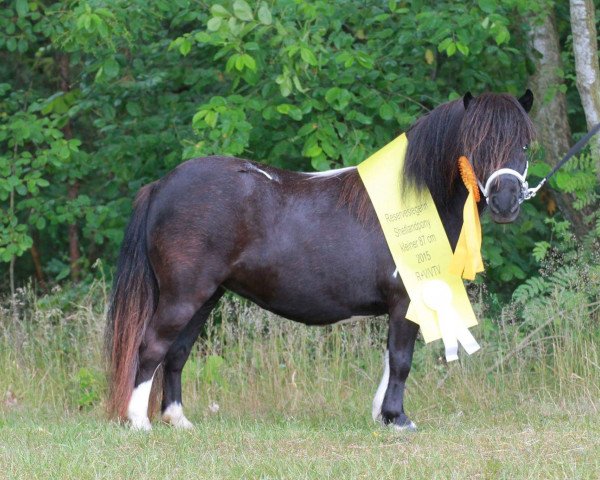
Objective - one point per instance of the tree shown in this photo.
(550, 108)
(585, 47)
(98, 98)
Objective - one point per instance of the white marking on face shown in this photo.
(173, 415)
(380, 394)
(352, 319)
(328, 173)
(137, 410)
(395, 274)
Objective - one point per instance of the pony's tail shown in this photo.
(133, 301)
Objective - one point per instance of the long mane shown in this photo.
(487, 133)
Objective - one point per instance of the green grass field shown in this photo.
(535, 440)
(294, 402)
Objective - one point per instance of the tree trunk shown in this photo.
(74, 238)
(73, 192)
(13, 258)
(37, 264)
(11, 271)
(585, 47)
(550, 108)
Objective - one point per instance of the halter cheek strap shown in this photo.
(526, 192)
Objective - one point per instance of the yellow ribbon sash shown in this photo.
(420, 249)
(467, 255)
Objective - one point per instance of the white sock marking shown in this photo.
(173, 414)
(383, 385)
(137, 410)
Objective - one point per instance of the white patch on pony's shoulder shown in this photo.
(328, 173)
(383, 385)
(174, 416)
(265, 174)
(137, 410)
(254, 168)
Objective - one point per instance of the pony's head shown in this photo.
(494, 135)
(493, 131)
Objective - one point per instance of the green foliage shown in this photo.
(330, 83)
(564, 268)
(99, 98)
(535, 289)
(88, 385)
(511, 260)
(577, 177)
(76, 139)
(212, 373)
(34, 149)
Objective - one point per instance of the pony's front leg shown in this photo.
(401, 342)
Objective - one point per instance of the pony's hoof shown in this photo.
(181, 423)
(173, 415)
(410, 426)
(400, 424)
(140, 424)
(184, 424)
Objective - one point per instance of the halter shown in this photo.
(527, 192)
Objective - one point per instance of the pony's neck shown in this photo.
(451, 214)
(433, 151)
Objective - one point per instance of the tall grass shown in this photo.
(252, 363)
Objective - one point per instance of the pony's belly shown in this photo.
(312, 307)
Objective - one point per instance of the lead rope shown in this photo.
(526, 191)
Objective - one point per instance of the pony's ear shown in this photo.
(526, 100)
(467, 99)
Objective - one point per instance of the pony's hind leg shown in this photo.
(172, 405)
(173, 313)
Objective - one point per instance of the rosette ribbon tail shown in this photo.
(467, 261)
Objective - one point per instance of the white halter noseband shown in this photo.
(526, 192)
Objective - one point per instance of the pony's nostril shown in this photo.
(494, 204)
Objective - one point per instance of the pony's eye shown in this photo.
(525, 147)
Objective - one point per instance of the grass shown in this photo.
(504, 443)
(294, 402)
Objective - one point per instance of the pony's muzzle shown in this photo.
(497, 205)
(504, 200)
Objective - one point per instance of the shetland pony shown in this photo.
(306, 246)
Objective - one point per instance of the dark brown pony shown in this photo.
(304, 246)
